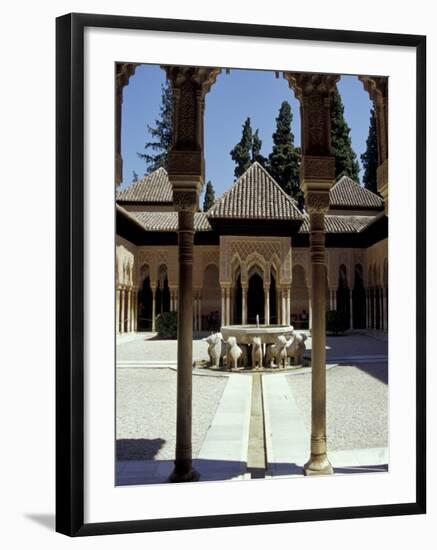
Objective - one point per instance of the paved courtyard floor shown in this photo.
(225, 413)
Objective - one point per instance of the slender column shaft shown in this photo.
(244, 305)
(129, 305)
(153, 308)
(318, 462)
(351, 310)
(287, 306)
(199, 304)
(183, 461)
(117, 310)
(136, 310)
(132, 310)
(123, 311)
(267, 305)
(223, 311)
(228, 306)
(283, 306)
(385, 290)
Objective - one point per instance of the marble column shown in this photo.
(244, 304)
(223, 310)
(136, 310)
(267, 304)
(351, 310)
(228, 306)
(287, 305)
(128, 308)
(153, 287)
(284, 306)
(117, 310)
(123, 310)
(317, 174)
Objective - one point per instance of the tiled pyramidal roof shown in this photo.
(153, 188)
(348, 193)
(255, 195)
(340, 224)
(168, 221)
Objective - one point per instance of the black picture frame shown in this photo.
(70, 273)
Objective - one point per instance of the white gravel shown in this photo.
(151, 349)
(357, 405)
(146, 412)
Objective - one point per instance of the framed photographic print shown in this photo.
(240, 274)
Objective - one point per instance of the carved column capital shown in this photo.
(317, 202)
(305, 85)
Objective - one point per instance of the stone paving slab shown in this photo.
(288, 439)
(223, 454)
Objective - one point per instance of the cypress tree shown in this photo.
(241, 154)
(370, 157)
(209, 198)
(284, 160)
(161, 133)
(346, 163)
(256, 149)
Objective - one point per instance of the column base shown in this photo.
(318, 465)
(184, 472)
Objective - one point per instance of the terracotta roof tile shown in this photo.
(255, 195)
(348, 193)
(153, 188)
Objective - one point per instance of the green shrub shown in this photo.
(336, 322)
(167, 324)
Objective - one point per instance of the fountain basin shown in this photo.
(245, 333)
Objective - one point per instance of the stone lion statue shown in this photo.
(296, 347)
(234, 353)
(214, 342)
(277, 352)
(257, 352)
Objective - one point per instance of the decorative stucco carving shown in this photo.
(317, 168)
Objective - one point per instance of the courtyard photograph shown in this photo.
(251, 274)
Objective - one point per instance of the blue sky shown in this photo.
(234, 97)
